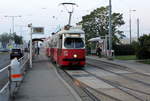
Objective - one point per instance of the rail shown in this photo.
(7, 90)
(7, 84)
(4, 68)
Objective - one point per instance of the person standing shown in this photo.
(98, 51)
(38, 50)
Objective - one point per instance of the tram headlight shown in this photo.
(75, 56)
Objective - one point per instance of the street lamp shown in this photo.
(13, 17)
(70, 9)
(130, 11)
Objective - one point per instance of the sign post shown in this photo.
(34, 30)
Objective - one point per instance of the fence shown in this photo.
(9, 87)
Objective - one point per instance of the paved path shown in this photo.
(43, 84)
(145, 68)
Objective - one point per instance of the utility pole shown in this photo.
(110, 28)
(13, 23)
(130, 27)
(138, 29)
(30, 26)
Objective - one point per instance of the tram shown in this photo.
(67, 47)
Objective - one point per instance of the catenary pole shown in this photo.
(110, 28)
(138, 28)
(130, 24)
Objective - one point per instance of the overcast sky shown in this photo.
(51, 15)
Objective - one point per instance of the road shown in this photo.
(4, 60)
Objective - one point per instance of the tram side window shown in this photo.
(49, 45)
(60, 42)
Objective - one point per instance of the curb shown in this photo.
(110, 62)
(68, 86)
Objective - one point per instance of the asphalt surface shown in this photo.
(42, 83)
(4, 59)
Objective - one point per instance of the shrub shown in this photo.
(124, 49)
(143, 48)
(143, 53)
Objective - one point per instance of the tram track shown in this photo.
(120, 67)
(118, 85)
(119, 74)
(126, 90)
(77, 86)
(96, 94)
(93, 94)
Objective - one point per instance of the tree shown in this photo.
(96, 24)
(5, 38)
(17, 39)
(143, 47)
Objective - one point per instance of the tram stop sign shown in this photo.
(38, 30)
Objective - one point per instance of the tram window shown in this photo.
(69, 43)
(74, 43)
(79, 43)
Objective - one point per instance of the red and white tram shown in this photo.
(67, 47)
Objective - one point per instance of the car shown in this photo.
(4, 50)
(26, 50)
(18, 53)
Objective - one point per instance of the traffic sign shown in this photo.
(37, 30)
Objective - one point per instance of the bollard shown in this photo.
(16, 74)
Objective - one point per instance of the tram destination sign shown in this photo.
(37, 30)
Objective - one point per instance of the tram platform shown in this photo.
(133, 64)
(42, 83)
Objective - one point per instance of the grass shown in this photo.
(4, 53)
(132, 57)
(145, 61)
(127, 57)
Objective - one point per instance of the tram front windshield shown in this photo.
(74, 43)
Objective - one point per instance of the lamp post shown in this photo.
(110, 28)
(70, 11)
(130, 27)
(13, 18)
